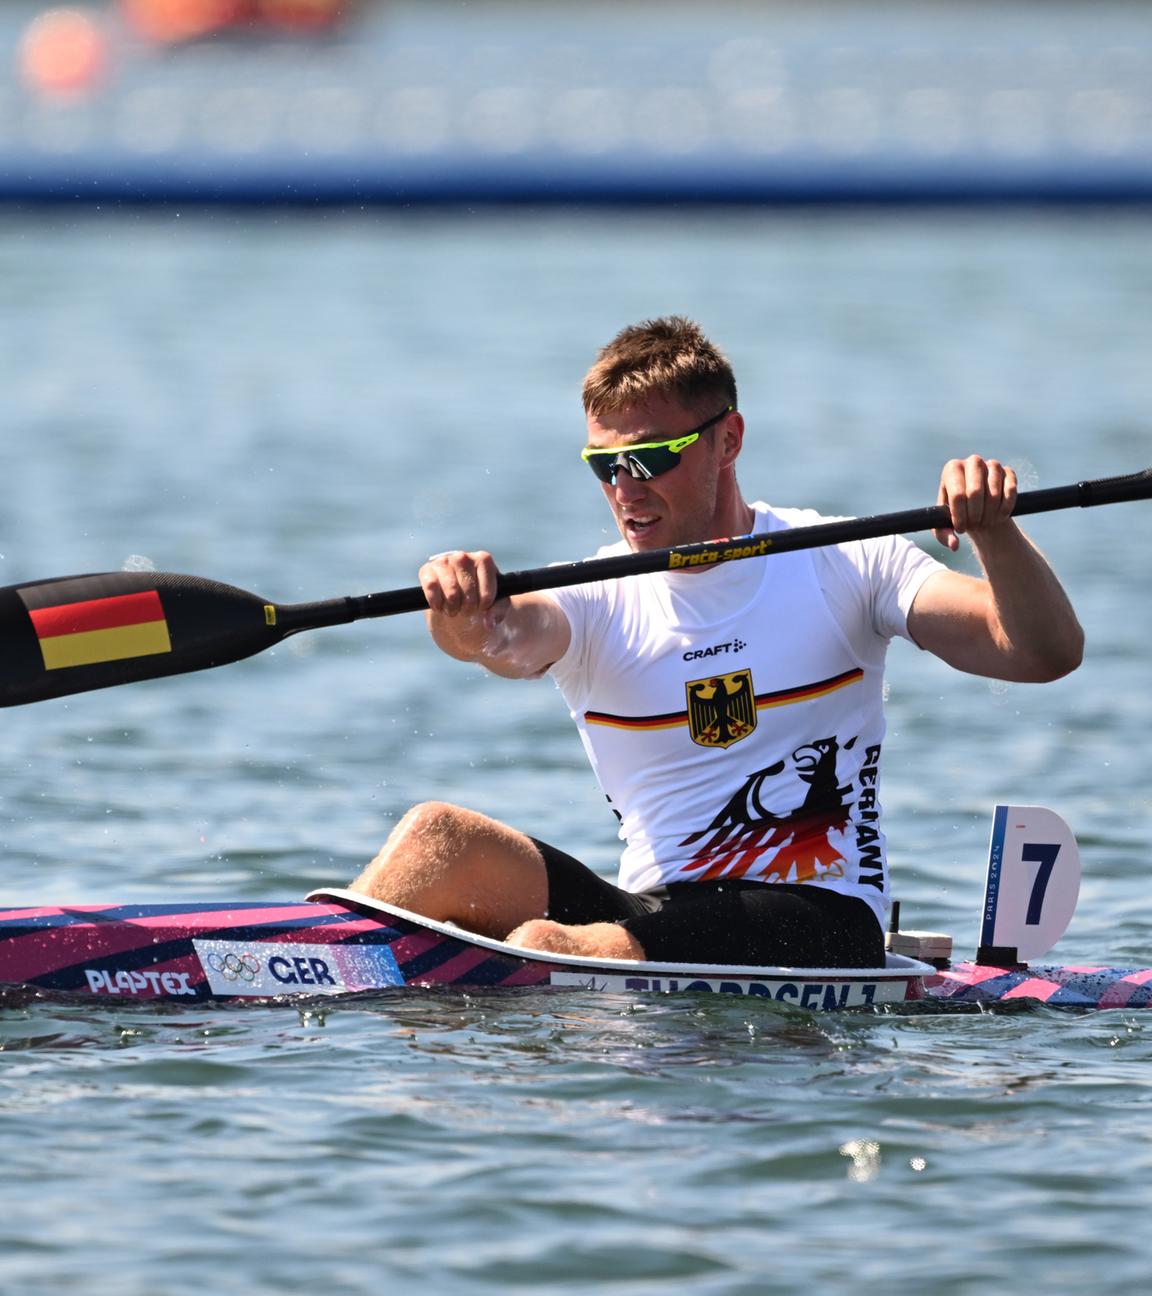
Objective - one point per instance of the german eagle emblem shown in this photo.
(721, 709)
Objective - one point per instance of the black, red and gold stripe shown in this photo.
(783, 697)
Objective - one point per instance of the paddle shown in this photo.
(78, 633)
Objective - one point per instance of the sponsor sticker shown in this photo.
(139, 982)
(261, 970)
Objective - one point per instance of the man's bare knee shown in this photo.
(589, 940)
(457, 865)
(427, 838)
(540, 934)
(443, 823)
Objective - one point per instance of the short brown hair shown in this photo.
(660, 357)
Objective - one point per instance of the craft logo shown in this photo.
(733, 645)
(721, 708)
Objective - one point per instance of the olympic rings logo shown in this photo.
(235, 967)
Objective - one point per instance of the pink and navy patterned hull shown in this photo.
(258, 952)
(227, 951)
(1066, 987)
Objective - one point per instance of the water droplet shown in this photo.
(865, 1157)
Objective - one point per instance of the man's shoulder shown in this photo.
(776, 517)
(580, 600)
(773, 517)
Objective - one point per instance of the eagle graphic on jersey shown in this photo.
(735, 843)
(721, 709)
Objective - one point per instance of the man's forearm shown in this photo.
(462, 637)
(518, 640)
(1036, 620)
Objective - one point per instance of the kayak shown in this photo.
(340, 943)
(343, 944)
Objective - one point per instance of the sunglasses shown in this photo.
(650, 458)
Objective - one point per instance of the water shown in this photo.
(309, 408)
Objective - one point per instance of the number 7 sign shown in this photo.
(1033, 880)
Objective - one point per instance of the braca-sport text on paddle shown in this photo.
(78, 633)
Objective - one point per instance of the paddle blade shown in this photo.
(88, 632)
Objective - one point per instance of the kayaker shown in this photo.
(733, 714)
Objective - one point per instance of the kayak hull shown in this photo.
(1053, 984)
(342, 944)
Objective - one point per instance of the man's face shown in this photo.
(679, 506)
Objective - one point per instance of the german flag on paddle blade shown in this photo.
(101, 630)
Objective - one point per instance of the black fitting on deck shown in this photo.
(1001, 956)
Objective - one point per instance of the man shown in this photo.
(733, 714)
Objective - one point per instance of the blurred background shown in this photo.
(294, 293)
(387, 101)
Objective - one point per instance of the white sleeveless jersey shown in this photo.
(734, 716)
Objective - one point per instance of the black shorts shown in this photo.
(759, 924)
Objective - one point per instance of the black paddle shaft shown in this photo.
(79, 633)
